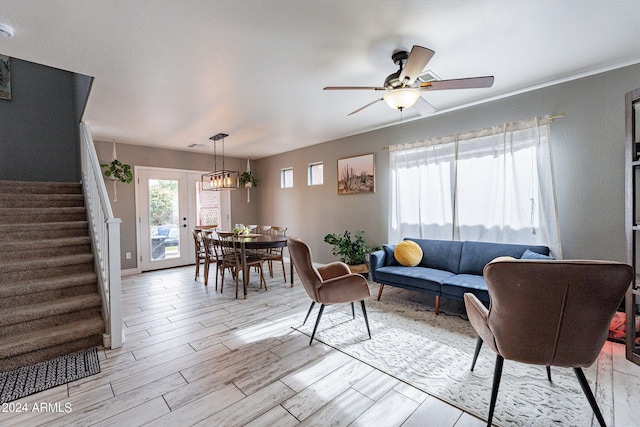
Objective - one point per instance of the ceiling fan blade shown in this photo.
(423, 107)
(468, 83)
(417, 60)
(354, 88)
(366, 106)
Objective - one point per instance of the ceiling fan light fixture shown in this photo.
(404, 97)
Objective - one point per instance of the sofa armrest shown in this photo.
(376, 260)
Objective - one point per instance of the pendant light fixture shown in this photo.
(220, 179)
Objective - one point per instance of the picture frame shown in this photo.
(5, 77)
(356, 174)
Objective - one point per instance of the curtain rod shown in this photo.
(552, 118)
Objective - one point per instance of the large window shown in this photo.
(493, 184)
(286, 178)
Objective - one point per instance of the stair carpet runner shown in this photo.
(49, 300)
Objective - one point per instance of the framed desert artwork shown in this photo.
(5, 78)
(356, 174)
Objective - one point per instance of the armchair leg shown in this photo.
(313, 303)
(437, 304)
(497, 374)
(380, 291)
(476, 353)
(353, 310)
(589, 394)
(366, 319)
(549, 373)
(317, 322)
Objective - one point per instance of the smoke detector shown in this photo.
(6, 31)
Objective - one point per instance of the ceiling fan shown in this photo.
(401, 88)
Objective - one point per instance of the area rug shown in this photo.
(434, 354)
(41, 376)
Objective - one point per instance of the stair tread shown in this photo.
(25, 313)
(29, 187)
(43, 196)
(32, 341)
(45, 225)
(55, 209)
(45, 243)
(33, 286)
(46, 262)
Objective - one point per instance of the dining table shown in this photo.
(256, 242)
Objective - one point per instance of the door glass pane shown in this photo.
(208, 206)
(164, 219)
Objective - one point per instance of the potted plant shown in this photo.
(118, 171)
(247, 179)
(352, 250)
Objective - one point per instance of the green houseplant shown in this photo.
(351, 249)
(118, 171)
(247, 179)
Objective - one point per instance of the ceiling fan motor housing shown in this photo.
(393, 80)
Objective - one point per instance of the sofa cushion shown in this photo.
(456, 286)
(440, 254)
(389, 259)
(408, 253)
(475, 255)
(415, 277)
(534, 255)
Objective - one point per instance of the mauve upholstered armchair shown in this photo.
(332, 283)
(549, 313)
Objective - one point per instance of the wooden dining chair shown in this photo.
(263, 229)
(201, 253)
(275, 254)
(213, 257)
(231, 257)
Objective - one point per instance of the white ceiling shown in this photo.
(172, 73)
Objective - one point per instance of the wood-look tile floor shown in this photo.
(194, 356)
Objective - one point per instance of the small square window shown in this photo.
(286, 178)
(315, 174)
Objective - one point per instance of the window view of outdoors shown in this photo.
(164, 219)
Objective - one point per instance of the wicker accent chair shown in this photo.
(548, 313)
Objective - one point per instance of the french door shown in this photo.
(169, 205)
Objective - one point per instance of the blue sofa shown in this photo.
(448, 268)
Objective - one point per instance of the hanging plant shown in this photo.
(248, 178)
(118, 171)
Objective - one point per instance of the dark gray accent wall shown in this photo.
(39, 134)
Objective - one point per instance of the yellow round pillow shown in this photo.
(502, 258)
(408, 253)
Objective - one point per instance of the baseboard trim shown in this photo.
(130, 271)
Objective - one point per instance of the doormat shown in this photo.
(41, 376)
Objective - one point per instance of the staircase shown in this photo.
(49, 300)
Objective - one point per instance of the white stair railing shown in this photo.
(105, 238)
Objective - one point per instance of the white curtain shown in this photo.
(494, 184)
